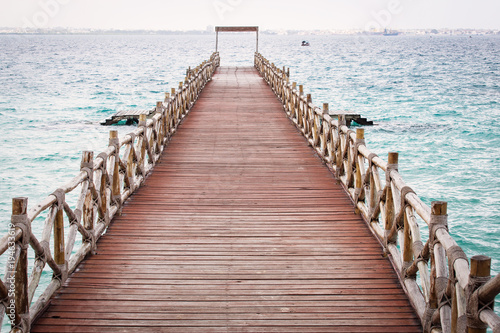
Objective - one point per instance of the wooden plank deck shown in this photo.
(240, 228)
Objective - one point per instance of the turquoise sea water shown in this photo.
(435, 100)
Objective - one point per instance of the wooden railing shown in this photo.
(446, 294)
(102, 186)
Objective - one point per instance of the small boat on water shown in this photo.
(305, 43)
(390, 33)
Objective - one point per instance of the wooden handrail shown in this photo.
(392, 210)
(104, 183)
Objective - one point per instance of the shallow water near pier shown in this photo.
(436, 101)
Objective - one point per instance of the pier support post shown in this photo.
(21, 322)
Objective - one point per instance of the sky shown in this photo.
(268, 14)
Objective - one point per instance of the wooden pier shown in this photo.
(241, 207)
(239, 228)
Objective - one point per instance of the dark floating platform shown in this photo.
(350, 117)
(131, 116)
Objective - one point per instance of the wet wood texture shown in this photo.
(240, 228)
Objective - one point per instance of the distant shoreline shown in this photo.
(402, 32)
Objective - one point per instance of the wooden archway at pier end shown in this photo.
(237, 29)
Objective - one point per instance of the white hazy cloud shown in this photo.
(268, 14)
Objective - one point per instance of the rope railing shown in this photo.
(102, 186)
(447, 295)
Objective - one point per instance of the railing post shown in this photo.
(392, 165)
(116, 191)
(103, 191)
(342, 121)
(21, 322)
(183, 100)
(292, 102)
(439, 220)
(408, 244)
(339, 158)
(301, 108)
(162, 132)
(143, 141)
(166, 115)
(175, 106)
(358, 183)
(131, 170)
(325, 108)
(59, 237)
(87, 165)
(480, 267)
(325, 133)
(454, 308)
(59, 246)
(159, 107)
(308, 121)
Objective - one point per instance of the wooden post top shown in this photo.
(480, 265)
(360, 133)
(19, 206)
(439, 207)
(393, 158)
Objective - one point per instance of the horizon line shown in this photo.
(206, 30)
